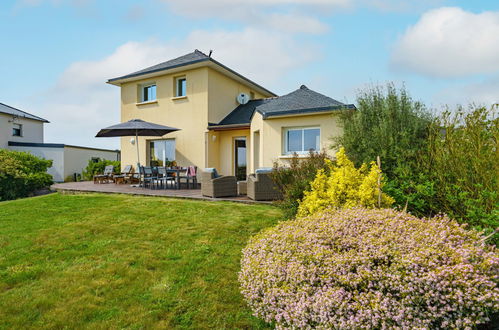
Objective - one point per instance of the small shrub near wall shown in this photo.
(295, 179)
(370, 269)
(21, 174)
(97, 167)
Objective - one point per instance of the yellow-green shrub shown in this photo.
(344, 187)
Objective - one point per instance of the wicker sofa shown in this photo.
(215, 186)
(260, 187)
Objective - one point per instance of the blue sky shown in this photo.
(57, 54)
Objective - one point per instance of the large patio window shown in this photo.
(161, 152)
(301, 140)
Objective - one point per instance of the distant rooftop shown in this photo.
(300, 101)
(4, 108)
(196, 56)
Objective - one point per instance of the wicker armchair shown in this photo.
(260, 187)
(222, 186)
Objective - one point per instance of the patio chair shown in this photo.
(163, 178)
(123, 176)
(190, 176)
(213, 185)
(147, 177)
(106, 176)
(260, 186)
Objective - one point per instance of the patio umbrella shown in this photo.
(136, 127)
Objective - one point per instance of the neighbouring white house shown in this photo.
(19, 126)
(22, 131)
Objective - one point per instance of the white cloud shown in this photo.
(480, 93)
(296, 23)
(400, 5)
(290, 16)
(450, 42)
(80, 102)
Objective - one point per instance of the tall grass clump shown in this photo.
(370, 269)
(462, 159)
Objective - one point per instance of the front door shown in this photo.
(240, 158)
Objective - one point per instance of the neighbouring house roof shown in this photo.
(55, 145)
(301, 101)
(188, 59)
(4, 108)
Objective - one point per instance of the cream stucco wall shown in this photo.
(210, 97)
(222, 95)
(271, 130)
(32, 130)
(189, 114)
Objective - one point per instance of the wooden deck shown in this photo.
(111, 188)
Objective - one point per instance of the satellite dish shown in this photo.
(243, 98)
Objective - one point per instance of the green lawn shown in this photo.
(114, 261)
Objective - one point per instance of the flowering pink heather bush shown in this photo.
(359, 268)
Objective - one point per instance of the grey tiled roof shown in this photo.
(301, 101)
(4, 108)
(243, 113)
(191, 58)
(195, 57)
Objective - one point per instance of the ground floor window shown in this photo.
(161, 152)
(301, 140)
(17, 130)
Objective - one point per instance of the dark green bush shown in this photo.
(294, 180)
(390, 124)
(387, 123)
(97, 167)
(21, 174)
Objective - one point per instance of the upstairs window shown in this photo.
(301, 140)
(17, 130)
(181, 87)
(148, 93)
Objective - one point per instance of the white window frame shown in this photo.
(20, 129)
(177, 80)
(142, 94)
(164, 155)
(302, 152)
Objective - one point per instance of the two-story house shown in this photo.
(226, 121)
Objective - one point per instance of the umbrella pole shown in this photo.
(138, 156)
(137, 144)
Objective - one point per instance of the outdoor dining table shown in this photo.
(177, 172)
